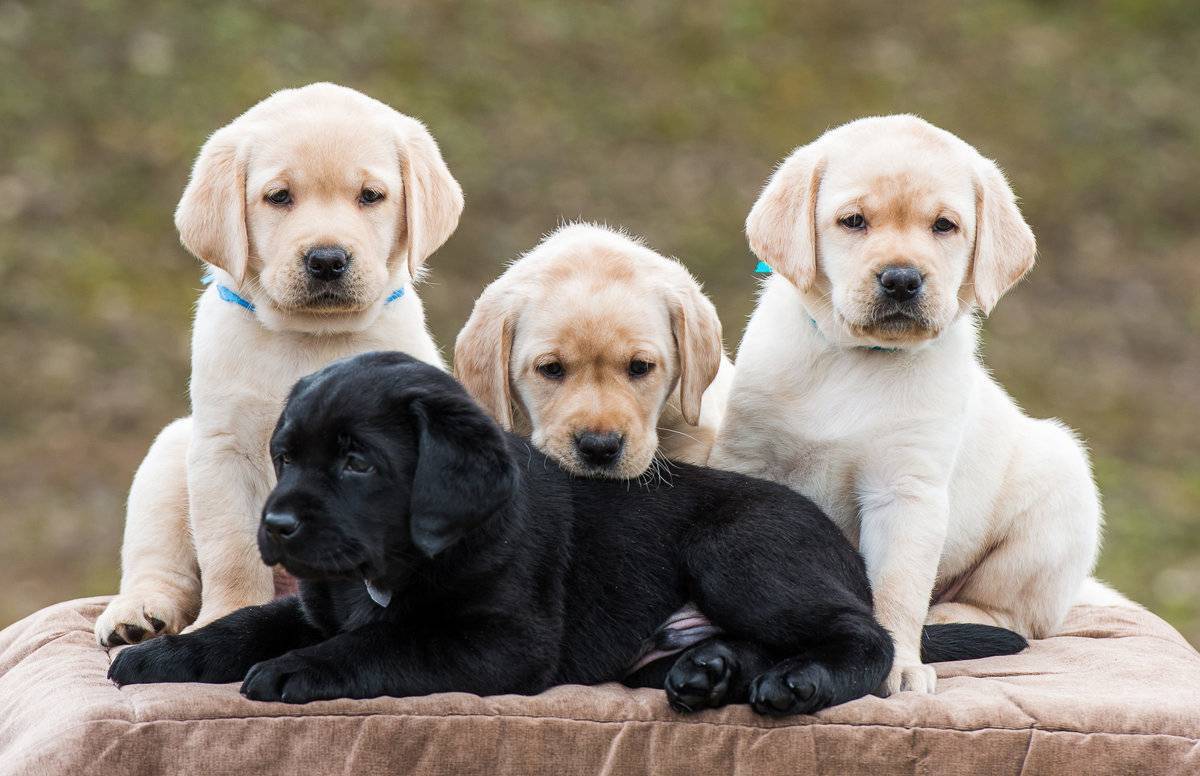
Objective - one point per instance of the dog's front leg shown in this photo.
(228, 482)
(383, 659)
(903, 529)
(160, 582)
(220, 652)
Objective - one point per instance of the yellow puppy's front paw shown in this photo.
(134, 617)
(909, 677)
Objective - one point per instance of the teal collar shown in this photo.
(876, 348)
(763, 268)
(227, 294)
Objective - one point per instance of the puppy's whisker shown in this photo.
(661, 465)
(680, 433)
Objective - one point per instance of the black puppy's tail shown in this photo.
(968, 641)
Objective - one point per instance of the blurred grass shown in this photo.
(665, 117)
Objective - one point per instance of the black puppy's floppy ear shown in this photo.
(464, 472)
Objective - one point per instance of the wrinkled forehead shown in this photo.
(309, 150)
(907, 176)
(589, 316)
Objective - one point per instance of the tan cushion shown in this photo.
(1117, 692)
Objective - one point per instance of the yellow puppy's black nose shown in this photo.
(901, 283)
(326, 262)
(599, 449)
(281, 524)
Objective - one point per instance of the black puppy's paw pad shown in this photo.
(791, 688)
(701, 677)
(289, 679)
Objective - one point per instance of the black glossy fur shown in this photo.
(509, 575)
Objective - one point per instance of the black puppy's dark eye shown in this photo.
(370, 196)
(943, 225)
(358, 464)
(640, 368)
(552, 370)
(283, 459)
(854, 221)
(280, 197)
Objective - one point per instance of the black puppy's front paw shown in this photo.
(294, 678)
(795, 686)
(701, 677)
(171, 659)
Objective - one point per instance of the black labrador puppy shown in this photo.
(437, 553)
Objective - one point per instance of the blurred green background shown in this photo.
(664, 117)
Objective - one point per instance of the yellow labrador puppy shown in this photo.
(859, 384)
(314, 212)
(602, 351)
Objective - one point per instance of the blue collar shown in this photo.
(227, 294)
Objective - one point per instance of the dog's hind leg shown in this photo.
(851, 659)
(160, 580)
(793, 586)
(713, 673)
(810, 647)
(1029, 580)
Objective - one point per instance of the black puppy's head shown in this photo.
(381, 460)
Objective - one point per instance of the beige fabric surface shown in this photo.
(1117, 693)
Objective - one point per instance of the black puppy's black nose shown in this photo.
(281, 524)
(326, 262)
(901, 283)
(599, 449)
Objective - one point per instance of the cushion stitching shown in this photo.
(57, 736)
(737, 725)
(1025, 755)
(1165, 639)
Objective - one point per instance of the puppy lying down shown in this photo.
(438, 553)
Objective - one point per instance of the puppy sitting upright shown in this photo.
(605, 353)
(437, 553)
(314, 212)
(859, 384)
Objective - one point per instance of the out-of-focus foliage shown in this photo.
(664, 117)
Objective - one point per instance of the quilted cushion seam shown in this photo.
(682, 723)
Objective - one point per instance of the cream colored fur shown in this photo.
(592, 299)
(189, 551)
(949, 490)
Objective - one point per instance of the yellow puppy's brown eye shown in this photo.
(943, 225)
(280, 197)
(552, 370)
(855, 221)
(370, 196)
(640, 368)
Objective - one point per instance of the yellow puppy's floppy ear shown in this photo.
(433, 200)
(697, 331)
(211, 215)
(1004, 244)
(482, 352)
(782, 225)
